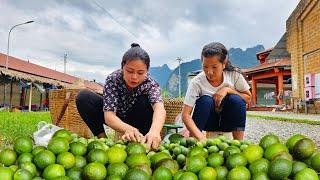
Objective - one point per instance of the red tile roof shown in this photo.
(34, 69)
(265, 51)
(268, 65)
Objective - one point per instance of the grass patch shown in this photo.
(15, 124)
(292, 120)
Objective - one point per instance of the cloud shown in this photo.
(89, 31)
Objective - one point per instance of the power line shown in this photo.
(113, 18)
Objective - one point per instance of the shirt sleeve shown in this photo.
(110, 96)
(154, 93)
(241, 83)
(193, 93)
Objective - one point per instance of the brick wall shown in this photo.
(303, 42)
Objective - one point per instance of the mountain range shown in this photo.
(169, 79)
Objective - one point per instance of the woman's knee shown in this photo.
(235, 100)
(205, 100)
(202, 111)
(82, 96)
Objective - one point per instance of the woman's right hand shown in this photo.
(132, 134)
(201, 137)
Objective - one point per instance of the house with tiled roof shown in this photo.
(15, 82)
(294, 60)
(272, 75)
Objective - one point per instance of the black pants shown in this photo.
(90, 107)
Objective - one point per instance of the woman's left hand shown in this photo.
(152, 140)
(219, 95)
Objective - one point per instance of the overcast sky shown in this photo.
(96, 33)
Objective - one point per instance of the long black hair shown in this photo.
(219, 50)
(136, 53)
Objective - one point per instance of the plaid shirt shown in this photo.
(118, 98)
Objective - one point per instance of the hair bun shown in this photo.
(135, 45)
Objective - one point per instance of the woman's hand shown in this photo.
(219, 95)
(201, 137)
(132, 134)
(152, 140)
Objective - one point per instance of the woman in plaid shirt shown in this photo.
(131, 102)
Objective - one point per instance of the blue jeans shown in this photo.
(231, 118)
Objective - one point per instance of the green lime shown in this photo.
(222, 172)
(253, 152)
(208, 173)
(63, 134)
(259, 166)
(304, 148)
(29, 166)
(137, 159)
(239, 173)
(306, 174)
(66, 159)
(297, 166)
(188, 176)
(94, 170)
(293, 140)
(268, 140)
(119, 169)
(22, 174)
(75, 173)
(162, 173)
(6, 173)
(78, 149)
(8, 157)
(98, 155)
(135, 174)
(135, 148)
(280, 169)
(53, 171)
(80, 162)
(23, 145)
(215, 160)
(236, 160)
(116, 155)
(25, 157)
(195, 163)
(58, 145)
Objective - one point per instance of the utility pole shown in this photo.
(65, 62)
(179, 59)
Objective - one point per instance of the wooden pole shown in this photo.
(4, 93)
(254, 91)
(276, 93)
(10, 104)
(280, 88)
(30, 97)
(22, 96)
(40, 106)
